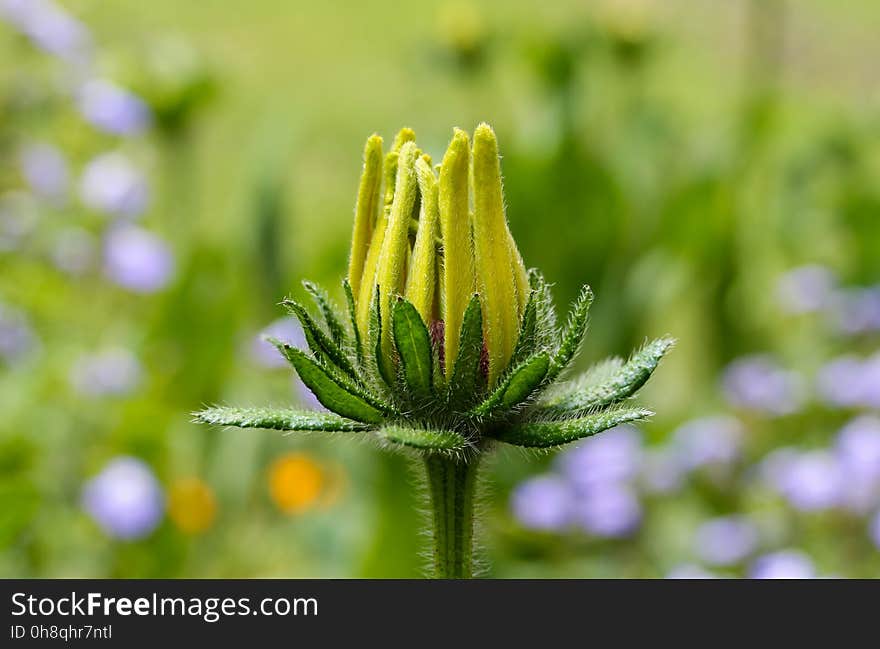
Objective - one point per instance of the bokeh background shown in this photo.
(169, 171)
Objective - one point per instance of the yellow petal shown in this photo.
(421, 279)
(366, 211)
(458, 255)
(493, 254)
(395, 247)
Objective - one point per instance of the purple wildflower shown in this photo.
(112, 372)
(50, 28)
(759, 383)
(286, 330)
(543, 503)
(809, 481)
(805, 289)
(138, 260)
(708, 442)
(613, 456)
(113, 109)
(113, 185)
(662, 471)
(125, 499)
(45, 170)
(725, 541)
(857, 310)
(608, 510)
(17, 339)
(784, 564)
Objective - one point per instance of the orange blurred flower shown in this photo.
(192, 505)
(296, 482)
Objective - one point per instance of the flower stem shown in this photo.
(451, 483)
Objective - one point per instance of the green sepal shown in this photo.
(545, 310)
(610, 383)
(334, 391)
(374, 341)
(277, 419)
(352, 314)
(319, 342)
(413, 343)
(427, 439)
(518, 386)
(329, 312)
(527, 343)
(543, 434)
(573, 335)
(466, 382)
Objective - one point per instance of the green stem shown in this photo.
(451, 482)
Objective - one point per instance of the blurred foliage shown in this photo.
(678, 157)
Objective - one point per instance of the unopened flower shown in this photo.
(125, 499)
(448, 345)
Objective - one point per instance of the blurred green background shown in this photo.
(169, 171)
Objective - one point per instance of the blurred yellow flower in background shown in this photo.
(296, 482)
(192, 505)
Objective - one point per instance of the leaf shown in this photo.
(465, 384)
(573, 335)
(333, 392)
(277, 419)
(424, 438)
(352, 314)
(329, 311)
(517, 387)
(413, 344)
(319, 342)
(610, 383)
(544, 434)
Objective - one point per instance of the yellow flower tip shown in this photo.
(455, 228)
(497, 260)
(421, 280)
(296, 483)
(389, 173)
(403, 136)
(192, 506)
(391, 272)
(366, 211)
